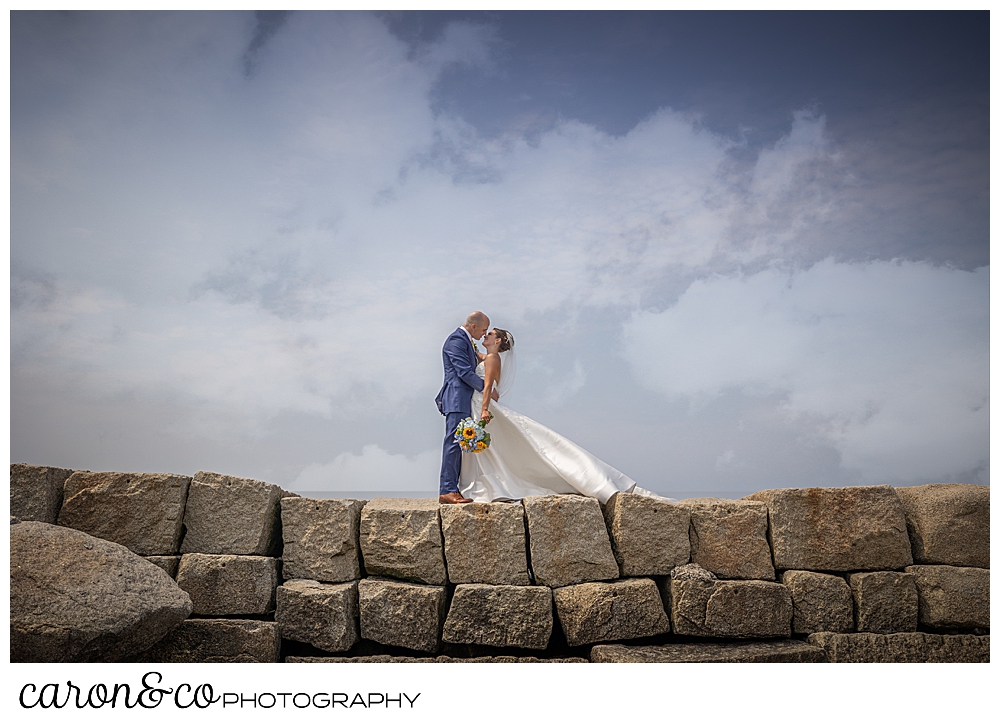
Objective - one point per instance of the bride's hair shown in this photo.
(506, 339)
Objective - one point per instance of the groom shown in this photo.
(454, 400)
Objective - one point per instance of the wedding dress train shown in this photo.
(526, 458)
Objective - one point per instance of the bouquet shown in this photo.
(472, 436)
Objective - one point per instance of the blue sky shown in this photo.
(736, 250)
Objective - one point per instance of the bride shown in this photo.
(525, 458)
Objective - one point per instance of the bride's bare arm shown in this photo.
(492, 369)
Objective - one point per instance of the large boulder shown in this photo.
(325, 616)
(142, 511)
(502, 616)
(952, 598)
(649, 536)
(209, 640)
(485, 543)
(903, 647)
(36, 493)
(401, 538)
(705, 606)
(228, 515)
(404, 614)
(819, 602)
(77, 598)
(568, 540)
(949, 524)
(837, 529)
(777, 651)
(729, 538)
(621, 610)
(884, 602)
(229, 584)
(320, 539)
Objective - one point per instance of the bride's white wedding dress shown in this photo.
(526, 458)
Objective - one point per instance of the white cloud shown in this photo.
(889, 362)
(373, 469)
(461, 43)
(779, 167)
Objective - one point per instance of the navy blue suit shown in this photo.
(454, 401)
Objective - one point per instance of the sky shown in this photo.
(737, 251)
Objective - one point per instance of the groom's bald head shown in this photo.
(477, 324)
(478, 318)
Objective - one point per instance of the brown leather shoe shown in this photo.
(452, 498)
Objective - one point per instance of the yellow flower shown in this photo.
(469, 433)
(480, 445)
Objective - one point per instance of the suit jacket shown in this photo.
(460, 379)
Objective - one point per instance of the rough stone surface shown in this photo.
(320, 539)
(401, 538)
(952, 598)
(437, 659)
(837, 529)
(76, 598)
(232, 516)
(485, 543)
(405, 614)
(819, 602)
(142, 511)
(36, 493)
(729, 538)
(218, 641)
(705, 606)
(903, 648)
(325, 616)
(569, 541)
(649, 536)
(692, 572)
(229, 584)
(622, 610)
(502, 616)
(778, 651)
(167, 563)
(948, 524)
(884, 602)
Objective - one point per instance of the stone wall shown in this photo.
(247, 572)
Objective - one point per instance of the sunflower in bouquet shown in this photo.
(472, 435)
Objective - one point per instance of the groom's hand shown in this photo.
(495, 395)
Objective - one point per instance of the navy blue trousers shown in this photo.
(451, 454)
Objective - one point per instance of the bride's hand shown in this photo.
(486, 417)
